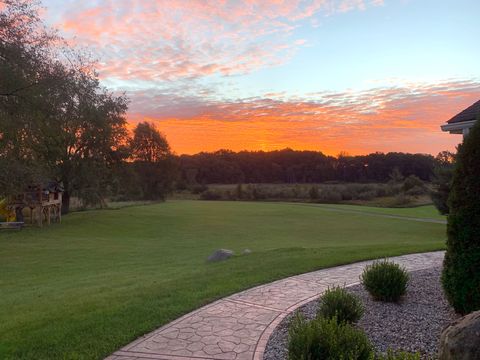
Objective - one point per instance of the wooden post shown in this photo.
(40, 215)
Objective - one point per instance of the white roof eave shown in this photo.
(459, 126)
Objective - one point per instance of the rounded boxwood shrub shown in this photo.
(339, 303)
(461, 275)
(327, 339)
(385, 280)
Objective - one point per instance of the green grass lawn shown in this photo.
(82, 289)
(423, 212)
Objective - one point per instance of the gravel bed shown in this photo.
(412, 325)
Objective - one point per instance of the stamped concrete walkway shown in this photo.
(238, 327)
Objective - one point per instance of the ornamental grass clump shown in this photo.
(385, 280)
(340, 304)
(327, 339)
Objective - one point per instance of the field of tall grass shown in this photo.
(409, 192)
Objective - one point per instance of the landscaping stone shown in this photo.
(220, 255)
(461, 340)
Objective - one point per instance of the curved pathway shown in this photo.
(238, 327)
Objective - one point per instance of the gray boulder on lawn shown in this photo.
(461, 340)
(220, 255)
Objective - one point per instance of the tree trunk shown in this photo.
(65, 202)
(19, 214)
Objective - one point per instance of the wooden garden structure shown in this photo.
(42, 202)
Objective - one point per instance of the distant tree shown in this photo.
(442, 180)
(396, 176)
(153, 161)
(461, 276)
(343, 154)
(445, 158)
(148, 144)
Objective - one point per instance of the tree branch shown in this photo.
(13, 92)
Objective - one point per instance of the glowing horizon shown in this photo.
(330, 75)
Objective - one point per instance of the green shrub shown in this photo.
(198, 189)
(401, 200)
(411, 182)
(461, 275)
(338, 303)
(210, 195)
(327, 339)
(330, 195)
(239, 192)
(385, 281)
(313, 193)
(229, 195)
(400, 355)
(381, 191)
(257, 193)
(347, 193)
(416, 191)
(393, 189)
(367, 195)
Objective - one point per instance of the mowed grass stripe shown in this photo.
(410, 214)
(82, 289)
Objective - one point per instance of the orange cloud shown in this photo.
(406, 118)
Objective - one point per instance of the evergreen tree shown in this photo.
(461, 275)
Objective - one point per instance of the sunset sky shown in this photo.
(331, 75)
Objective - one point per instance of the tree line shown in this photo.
(290, 166)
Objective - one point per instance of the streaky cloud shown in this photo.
(402, 118)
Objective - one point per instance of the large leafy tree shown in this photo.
(148, 143)
(153, 161)
(89, 138)
(23, 71)
(461, 276)
(56, 121)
